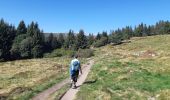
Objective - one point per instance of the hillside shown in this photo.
(138, 70)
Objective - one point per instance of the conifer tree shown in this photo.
(61, 40)
(70, 40)
(81, 41)
(7, 35)
(21, 29)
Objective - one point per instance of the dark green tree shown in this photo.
(15, 50)
(37, 36)
(55, 44)
(61, 40)
(98, 37)
(117, 37)
(26, 47)
(90, 39)
(167, 27)
(81, 41)
(20, 35)
(7, 35)
(21, 29)
(139, 31)
(104, 34)
(159, 27)
(149, 31)
(127, 32)
(30, 29)
(70, 40)
(52, 43)
(102, 42)
(49, 42)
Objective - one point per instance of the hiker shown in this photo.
(75, 67)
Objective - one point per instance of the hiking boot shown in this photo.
(74, 87)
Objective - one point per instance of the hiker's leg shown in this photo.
(72, 80)
(75, 78)
(71, 83)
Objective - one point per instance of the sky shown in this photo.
(90, 15)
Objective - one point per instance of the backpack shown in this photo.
(75, 65)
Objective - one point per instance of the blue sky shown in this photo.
(91, 15)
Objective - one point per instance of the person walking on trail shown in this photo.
(75, 67)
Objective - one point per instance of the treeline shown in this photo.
(26, 42)
(29, 41)
(23, 42)
(160, 28)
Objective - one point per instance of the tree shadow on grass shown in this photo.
(90, 82)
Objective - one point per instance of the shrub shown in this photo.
(85, 53)
(60, 53)
(37, 51)
(25, 47)
(103, 41)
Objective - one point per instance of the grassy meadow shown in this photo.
(23, 79)
(139, 70)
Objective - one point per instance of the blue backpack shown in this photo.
(75, 66)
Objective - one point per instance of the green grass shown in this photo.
(120, 75)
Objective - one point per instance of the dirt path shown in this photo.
(71, 92)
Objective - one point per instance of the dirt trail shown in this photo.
(70, 94)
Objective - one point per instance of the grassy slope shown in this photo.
(137, 70)
(24, 78)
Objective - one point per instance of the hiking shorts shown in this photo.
(74, 75)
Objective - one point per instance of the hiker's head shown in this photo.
(76, 56)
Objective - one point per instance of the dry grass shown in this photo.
(24, 75)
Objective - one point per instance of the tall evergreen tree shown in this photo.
(98, 37)
(91, 39)
(117, 36)
(127, 32)
(21, 29)
(81, 40)
(70, 40)
(104, 34)
(167, 27)
(55, 44)
(20, 35)
(61, 40)
(49, 41)
(139, 31)
(36, 38)
(30, 29)
(149, 31)
(7, 35)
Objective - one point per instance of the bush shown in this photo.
(103, 41)
(15, 51)
(37, 51)
(60, 53)
(25, 47)
(85, 53)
